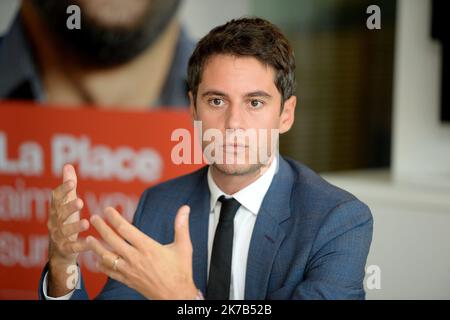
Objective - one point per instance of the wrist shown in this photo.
(189, 293)
(61, 278)
(56, 258)
(60, 266)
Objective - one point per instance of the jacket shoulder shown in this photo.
(320, 198)
(308, 181)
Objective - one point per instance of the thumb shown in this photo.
(182, 237)
(69, 174)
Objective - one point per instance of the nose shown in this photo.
(234, 117)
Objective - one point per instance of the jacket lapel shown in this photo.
(267, 233)
(198, 225)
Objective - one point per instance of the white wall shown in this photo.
(421, 144)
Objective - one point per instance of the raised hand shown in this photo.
(156, 271)
(64, 225)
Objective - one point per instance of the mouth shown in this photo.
(234, 148)
(234, 145)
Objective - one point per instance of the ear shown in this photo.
(288, 114)
(192, 108)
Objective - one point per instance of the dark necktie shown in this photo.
(220, 266)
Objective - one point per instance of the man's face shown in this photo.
(237, 94)
(112, 31)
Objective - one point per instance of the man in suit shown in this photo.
(265, 229)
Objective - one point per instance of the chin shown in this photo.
(237, 169)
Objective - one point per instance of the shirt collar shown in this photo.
(252, 196)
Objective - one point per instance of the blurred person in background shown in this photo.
(126, 55)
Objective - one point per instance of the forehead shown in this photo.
(237, 74)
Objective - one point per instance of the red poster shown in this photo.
(117, 155)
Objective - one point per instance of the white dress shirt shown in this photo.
(250, 198)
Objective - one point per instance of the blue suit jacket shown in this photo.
(310, 239)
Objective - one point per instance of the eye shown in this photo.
(216, 102)
(255, 104)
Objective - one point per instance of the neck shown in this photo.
(231, 184)
(67, 82)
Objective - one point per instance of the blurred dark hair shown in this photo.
(253, 37)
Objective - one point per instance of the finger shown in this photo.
(70, 174)
(111, 238)
(129, 232)
(59, 193)
(76, 246)
(182, 237)
(95, 245)
(107, 257)
(70, 208)
(70, 229)
(113, 274)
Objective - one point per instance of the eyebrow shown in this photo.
(259, 93)
(214, 93)
(253, 94)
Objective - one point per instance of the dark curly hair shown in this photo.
(253, 37)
